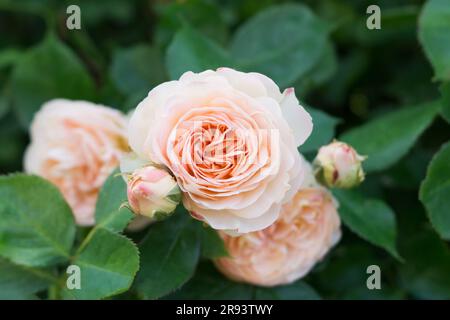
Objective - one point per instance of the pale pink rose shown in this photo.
(152, 192)
(230, 139)
(339, 165)
(287, 250)
(76, 145)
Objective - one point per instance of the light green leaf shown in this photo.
(299, 290)
(36, 224)
(50, 70)
(137, 69)
(108, 263)
(110, 212)
(19, 282)
(169, 255)
(323, 133)
(371, 219)
(212, 244)
(434, 24)
(191, 51)
(435, 191)
(388, 138)
(283, 42)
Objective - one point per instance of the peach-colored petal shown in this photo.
(298, 118)
(287, 250)
(76, 145)
(226, 138)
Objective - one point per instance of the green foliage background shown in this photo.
(387, 92)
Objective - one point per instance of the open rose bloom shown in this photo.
(230, 139)
(287, 250)
(76, 145)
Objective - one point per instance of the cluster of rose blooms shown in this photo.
(191, 140)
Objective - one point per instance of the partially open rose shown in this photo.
(230, 139)
(76, 145)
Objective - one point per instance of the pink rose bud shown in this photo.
(152, 192)
(339, 165)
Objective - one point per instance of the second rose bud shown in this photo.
(152, 192)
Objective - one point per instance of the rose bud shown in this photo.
(339, 165)
(152, 192)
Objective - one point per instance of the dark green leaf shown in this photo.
(110, 212)
(322, 71)
(208, 283)
(19, 282)
(4, 105)
(169, 255)
(137, 69)
(435, 191)
(36, 224)
(9, 57)
(206, 16)
(297, 291)
(323, 133)
(434, 24)
(445, 89)
(388, 138)
(191, 51)
(50, 70)
(425, 275)
(212, 244)
(282, 42)
(108, 263)
(371, 219)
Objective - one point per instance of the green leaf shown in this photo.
(344, 274)
(324, 125)
(4, 105)
(299, 290)
(169, 255)
(434, 24)
(50, 70)
(322, 71)
(205, 15)
(208, 283)
(110, 212)
(137, 69)
(36, 224)
(371, 219)
(445, 90)
(212, 244)
(283, 42)
(9, 57)
(435, 191)
(388, 138)
(191, 51)
(425, 275)
(108, 263)
(19, 282)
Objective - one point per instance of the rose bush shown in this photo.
(233, 138)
